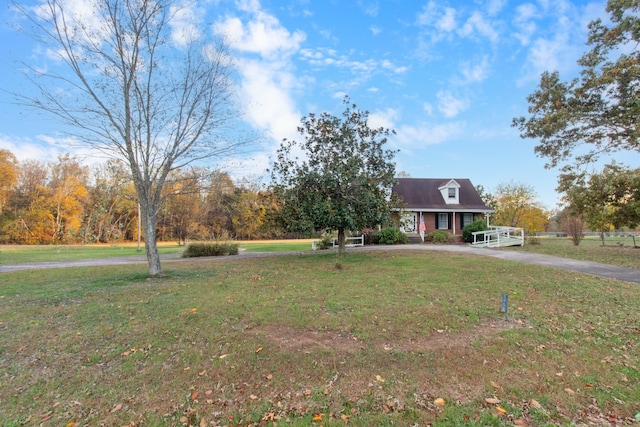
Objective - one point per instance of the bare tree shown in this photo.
(133, 83)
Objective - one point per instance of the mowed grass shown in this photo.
(621, 252)
(24, 254)
(294, 341)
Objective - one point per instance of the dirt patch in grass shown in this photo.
(293, 340)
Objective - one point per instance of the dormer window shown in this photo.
(450, 192)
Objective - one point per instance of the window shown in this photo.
(467, 219)
(452, 193)
(443, 221)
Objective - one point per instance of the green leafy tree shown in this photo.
(344, 180)
(486, 197)
(605, 200)
(596, 114)
(127, 84)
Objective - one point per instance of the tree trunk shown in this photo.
(150, 243)
(341, 241)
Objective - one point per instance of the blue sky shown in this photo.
(447, 76)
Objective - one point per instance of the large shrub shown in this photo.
(391, 236)
(477, 225)
(194, 250)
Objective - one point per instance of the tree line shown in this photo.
(66, 202)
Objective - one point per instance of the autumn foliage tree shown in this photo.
(515, 205)
(8, 176)
(63, 201)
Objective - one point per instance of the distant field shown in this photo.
(22, 254)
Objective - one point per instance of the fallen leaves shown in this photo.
(535, 404)
(501, 410)
(134, 350)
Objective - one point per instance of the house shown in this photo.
(445, 204)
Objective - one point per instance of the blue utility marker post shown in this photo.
(505, 302)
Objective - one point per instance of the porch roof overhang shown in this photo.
(446, 209)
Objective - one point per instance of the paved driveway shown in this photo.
(594, 268)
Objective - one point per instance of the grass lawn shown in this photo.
(23, 254)
(391, 338)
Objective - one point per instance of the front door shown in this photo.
(409, 222)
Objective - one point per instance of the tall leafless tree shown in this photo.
(135, 84)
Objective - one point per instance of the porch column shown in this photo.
(454, 223)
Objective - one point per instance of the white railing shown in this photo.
(498, 236)
(350, 242)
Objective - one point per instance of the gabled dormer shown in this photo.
(450, 192)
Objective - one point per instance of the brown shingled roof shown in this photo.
(424, 194)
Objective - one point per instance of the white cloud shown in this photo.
(524, 23)
(26, 149)
(370, 8)
(475, 73)
(251, 6)
(449, 105)
(385, 118)
(477, 24)
(363, 70)
(267, 81)
(186, 21)
(448, 21)
(263, 35)
(437, 20)
(47, 148)
(425, 134)
(269, 105)
(495, 6)
(553, 53)
(375, 30)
